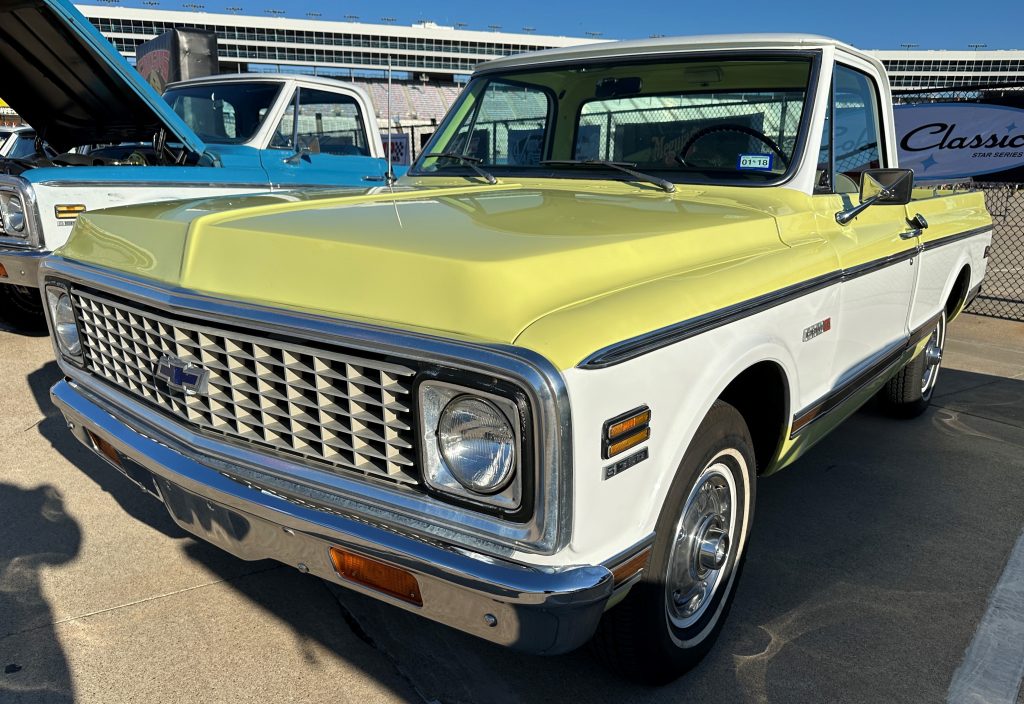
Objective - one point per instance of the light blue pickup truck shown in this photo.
(119, 142)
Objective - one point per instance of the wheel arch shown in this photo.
(956, 298)
(761, 394)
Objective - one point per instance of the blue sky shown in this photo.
(869, 24)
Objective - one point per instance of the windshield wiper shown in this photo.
(623, 166)
(470, 161)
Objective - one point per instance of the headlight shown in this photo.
(477, 443)
(471, 444)
(62, 317)
(15, 215)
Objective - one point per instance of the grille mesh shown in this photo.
(344, 411)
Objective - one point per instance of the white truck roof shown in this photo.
(673, 45)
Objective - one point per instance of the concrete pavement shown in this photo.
(870, 567)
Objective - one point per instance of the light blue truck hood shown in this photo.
(66, 80)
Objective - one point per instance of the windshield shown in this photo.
(685, 120)
(223, 113)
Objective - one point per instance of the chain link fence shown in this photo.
(1002, 293)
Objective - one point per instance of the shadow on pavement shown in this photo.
(302, 602)
(36, 532)
(53, 428)
(869, 566)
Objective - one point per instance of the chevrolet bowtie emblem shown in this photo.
(182, 376)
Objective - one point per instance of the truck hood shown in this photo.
(66, 80)
(475, 262)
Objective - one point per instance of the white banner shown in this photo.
(943, 141)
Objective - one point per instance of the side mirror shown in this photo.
(882, 186)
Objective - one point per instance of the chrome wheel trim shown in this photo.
(704, 538)
(933, 357)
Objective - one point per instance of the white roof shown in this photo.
(671, 45)
(271, 77)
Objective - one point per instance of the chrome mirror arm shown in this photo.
(845, 216)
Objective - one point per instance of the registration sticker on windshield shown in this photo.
(757, 162)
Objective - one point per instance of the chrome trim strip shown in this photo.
(671, 334)
(547, 531)
(879, 366)
(950, 239)
(259, 185)
(878, 264)
(22, 266)
(532, 609)
(677, 332)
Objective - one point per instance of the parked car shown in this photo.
(530, 392)
(220, 135)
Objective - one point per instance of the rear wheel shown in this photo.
(672, 616)
(22, 307)
(909, 392)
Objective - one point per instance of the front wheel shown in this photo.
(22, 307)
(909, 392)
(672, 616)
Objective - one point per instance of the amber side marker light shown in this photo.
(631, 567)
(3, 272)
(625, 431)
(105, 448)
(393, 581)
(68, 212)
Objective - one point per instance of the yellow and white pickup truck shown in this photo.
(529, 389)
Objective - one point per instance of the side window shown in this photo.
(329, 123)
(857, 126)
(851, 141)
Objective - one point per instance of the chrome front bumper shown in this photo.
(525, 608)
(22, 266)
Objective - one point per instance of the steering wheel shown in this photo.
(731, 127)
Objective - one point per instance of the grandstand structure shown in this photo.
(915, 70)
(431, 61)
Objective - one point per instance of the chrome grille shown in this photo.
(344, 411)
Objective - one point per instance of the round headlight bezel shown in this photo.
(459, 453)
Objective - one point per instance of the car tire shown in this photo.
(22, 308)
(672, 616)
(909, 393)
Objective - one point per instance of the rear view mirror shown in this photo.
(885, 186)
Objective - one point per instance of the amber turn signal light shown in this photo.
(393, 581)
(625, 431)
(624, 427)
(105, 448)
(68, 212)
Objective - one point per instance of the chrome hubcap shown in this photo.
(933, 357)
(701, 547)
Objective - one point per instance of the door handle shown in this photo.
(918, 223)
